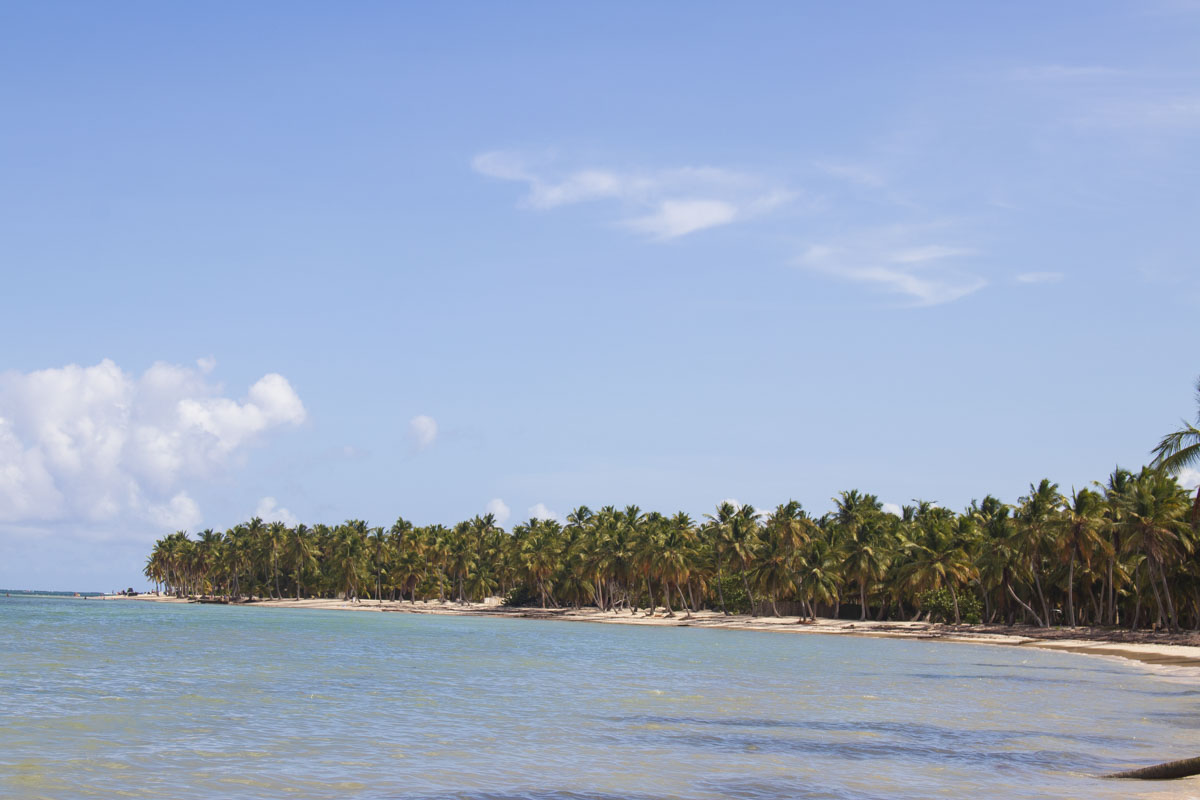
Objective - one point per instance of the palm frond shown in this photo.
(1178, 450)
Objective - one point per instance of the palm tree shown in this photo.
(1080, 538)
(350, 544)
(302, 555)
(1155, 510)
(938, 553)
(677, 558)
(1181, 449)
(1037, 515)
(859, 521)
(379, 557)
(273, 537)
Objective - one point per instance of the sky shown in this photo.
(323, 261)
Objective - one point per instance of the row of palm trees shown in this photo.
(1118, 553)
(1121, 552)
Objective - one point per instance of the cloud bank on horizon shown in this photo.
(98, 447)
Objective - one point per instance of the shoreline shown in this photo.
(1181, 651)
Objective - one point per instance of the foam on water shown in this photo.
(105, 699)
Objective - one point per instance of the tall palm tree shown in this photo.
(1080, 538)
(1154, 520)
(861, 526)
(1037, 516)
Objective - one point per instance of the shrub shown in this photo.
(940, 605)
(522, 595)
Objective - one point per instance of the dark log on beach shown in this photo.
(1160, 772)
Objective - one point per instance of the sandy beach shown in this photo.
(1180, 651)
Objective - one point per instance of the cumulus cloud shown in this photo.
(928, 274)
(497, 508)
(893, 508)
(1189, 478)
(268, 510)
(662, 204)
(539, 511)
(423, 430)
(97, 443)
(179, 513)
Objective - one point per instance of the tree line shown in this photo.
(1121, 552)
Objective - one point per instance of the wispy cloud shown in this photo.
(1176, 112)
(858, 174)
(1064, 72)
(1039, 277)
(927, 274)
(661, 204)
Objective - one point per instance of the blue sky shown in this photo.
(322, 261)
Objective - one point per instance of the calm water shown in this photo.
(127, 699)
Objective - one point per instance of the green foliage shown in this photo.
(521, 596)
(736, 601)
(940, 605)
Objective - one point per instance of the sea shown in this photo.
(109, 699)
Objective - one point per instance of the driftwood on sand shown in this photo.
(1171, 769)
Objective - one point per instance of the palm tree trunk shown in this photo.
(1037, 582)
(683, 601)
(1071, 590)
(1006, 609)
(954, 597)
(721, 588)
(1026, 607)
(1157, 597)
(862, 598)
(1173, 618)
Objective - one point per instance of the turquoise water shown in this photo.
(130, 699)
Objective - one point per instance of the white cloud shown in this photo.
(665, 204)
(268, 510)
(90, 444)
(887, 262)
(893, 508)
(675, 218)
(1189, 478)
(539, 511)
(180, 513)
(497, 508)
(206, 364)
(1039, 277)
(423, 430)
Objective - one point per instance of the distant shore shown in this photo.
(1159, 649)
